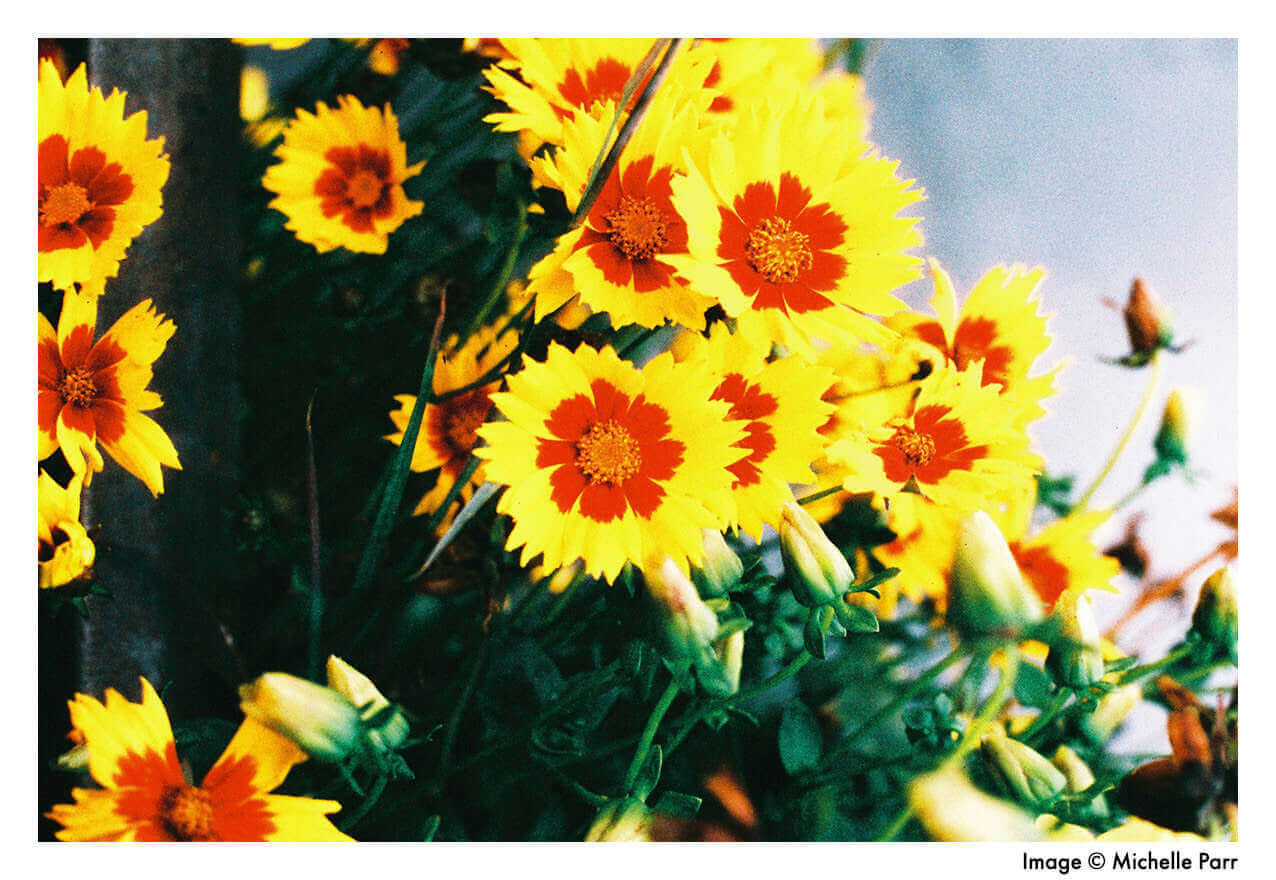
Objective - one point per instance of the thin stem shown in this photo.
(604, 169)
(1125, 437)
(503, 277)
(905, 696)
(649, 734)
(368, 802)
(816, 496)
(970, 739)
(1137, 672)
(315, 621)
(1043, 718)
(454, 720)
(462, 480)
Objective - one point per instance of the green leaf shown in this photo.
(875, 581)
(800, 740)
(431, 828)
(1120, 664)
(856, 618)
(677, 805)
(1032, 686)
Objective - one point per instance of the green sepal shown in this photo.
(677, 805)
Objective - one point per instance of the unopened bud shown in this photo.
(1100, 724)
(1171, 441)
(627, 819)
(1023, 772)
(323, 722)
(818, 572)
(1147, 321)
(1078, 775)
(987, 594)
(730, 653)
(721, 569)
(386, 726)
(689, 627)
(1215, 618)
(76, 758)
(951, 808)
(1076, 653)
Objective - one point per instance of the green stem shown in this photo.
(1046, 715)
(971, 738)
(649, 734)
(816, 496)
(503, 277)
(368, 803)
(1148, 394)
(905, 696)
(1137, 672)
(1132, 494)
(454, 720)
(462, 480)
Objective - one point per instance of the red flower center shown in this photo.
(76, 195)
(186, 812)
(918, 448)
(356, 186)
(777, 251)
(608, 453)
(78, 388)
(462, 416)
(637, 228)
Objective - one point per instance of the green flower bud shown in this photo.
(951, 808)
(627, 819)
(689, 627)
(818, 572)
(1076, 655)
(323, 722)
(1022, 771)
(721, 569)
(386, 726)
(1078, 775)
(1171, 438)
(75, 759)
(1215, 618)
(1100, 724)
(987, 594)
(730, 653)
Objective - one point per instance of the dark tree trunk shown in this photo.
(163, 559)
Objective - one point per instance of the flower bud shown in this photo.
(818, 572)
(1076, 654)
(730, 653)
(951, 808)
(1215, 617)
(1022, 771)
(627, 819)
(721, 569)
(987, 594)
(323, 722)
(688, 626)
(1078, 776)
(1147, 321)
(1171, 438)
(1100, 724)
(386, 726)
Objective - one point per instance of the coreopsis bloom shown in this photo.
(449, 427)
(999, 324)
(926, 538)
(65, 549)
(958, 447)
(340, 181)
(322, 721)
(279, 44)
(545, 82)
(610, 463)
(146, 796)
(780, 403)
(792, 225)
(90, 393)
(100, 181)
(617, 260)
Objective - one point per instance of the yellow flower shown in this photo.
(617, 260)
(998, 324)
(780, 404)
(610, 463)
(926, 539)
(959, 447)
(449, 427)
(792, 226)
(386, 727)
(146, 796)
(100, 181)
(320, 720)
(340, 181)
(279, 44)
(65, 550)
(90, 393)
(545, 82)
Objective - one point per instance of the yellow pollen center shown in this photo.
(637, 228)
(187, 812)
(65, 203)
(608, 453)
(364, 189)
(778, 252)
(77, 387)
(918, 448)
